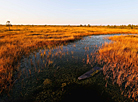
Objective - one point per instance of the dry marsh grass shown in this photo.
(21, 40)
(120, 60)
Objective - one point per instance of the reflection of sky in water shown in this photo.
(73, 53)
(65, 56)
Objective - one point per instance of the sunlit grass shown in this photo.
(21, 40)
(120, 63)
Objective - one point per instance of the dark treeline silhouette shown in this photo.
(129, 26)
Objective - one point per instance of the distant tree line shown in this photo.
(129, 26)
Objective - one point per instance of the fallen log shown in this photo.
(90, 73)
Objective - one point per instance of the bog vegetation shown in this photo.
(21, 40)
(120, 60)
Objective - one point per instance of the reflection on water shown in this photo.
(73, 53)
(40, 64)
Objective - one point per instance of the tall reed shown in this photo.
(120, 63)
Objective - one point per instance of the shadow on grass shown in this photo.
(85, 93)
(76, 93)
(92, 89)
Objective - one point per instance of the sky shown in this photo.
(69, 12)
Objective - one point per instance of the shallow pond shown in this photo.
(47, 63)
(73, 53)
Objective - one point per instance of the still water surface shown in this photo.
(73, 53)
(35, 68)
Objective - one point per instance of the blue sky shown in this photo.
(94, 12)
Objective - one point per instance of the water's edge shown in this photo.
(42, 64)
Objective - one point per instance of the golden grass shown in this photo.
(120, 60)
(21, 40)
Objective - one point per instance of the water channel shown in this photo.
(77, 56)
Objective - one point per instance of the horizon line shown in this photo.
(74, 24)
